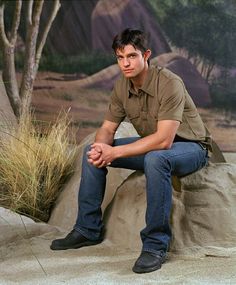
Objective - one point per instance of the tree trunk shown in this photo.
(33, 20)
(8, 49)
(21, 100)
(34, 47)
(9, 79)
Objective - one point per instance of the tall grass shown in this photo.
(34, 167)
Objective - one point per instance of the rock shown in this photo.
(83, 26)
(203, 216)
(65, 211)
(71, 29)
(111, 17)
(203, 213)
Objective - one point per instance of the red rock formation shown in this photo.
(71, 31)
(111, 17)
(83, 26)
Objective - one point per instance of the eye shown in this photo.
(132, 56)
(118, 57)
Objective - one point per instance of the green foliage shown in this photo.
(206, 28)
(84, 63)
(9, 12)
(223, 92)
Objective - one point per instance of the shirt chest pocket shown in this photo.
(132, 114)
(135, 114)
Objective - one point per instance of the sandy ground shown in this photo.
(27, 259)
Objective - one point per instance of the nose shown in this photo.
(126, 62)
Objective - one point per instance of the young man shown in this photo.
(172, 141)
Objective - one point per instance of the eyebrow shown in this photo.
(129, 54)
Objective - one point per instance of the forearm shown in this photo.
(161, 139)
(104, 135)
(144, 145)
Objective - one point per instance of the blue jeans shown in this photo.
(158, 166)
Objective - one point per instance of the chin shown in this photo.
(129, 75)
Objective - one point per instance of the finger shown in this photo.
(96, 147)
(103, 164)
(98, 162)
(91, 152)
(95, 156)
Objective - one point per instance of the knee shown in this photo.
(156, 160)
(86, 149)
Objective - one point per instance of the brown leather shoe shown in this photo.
(148, 262)
(73, 240)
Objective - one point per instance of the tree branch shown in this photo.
(209, 70)
(37, 10)
(3, 37)
(48, 25)
(16, 22)
(29, 13)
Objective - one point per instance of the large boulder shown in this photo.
(71, 30)
(111, 17)
(82, 26)
(203, 215)
(65, 211)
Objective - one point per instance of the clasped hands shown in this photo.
(101, 155)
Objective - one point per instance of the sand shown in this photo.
(27, 259)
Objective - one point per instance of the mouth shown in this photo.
(127, 70)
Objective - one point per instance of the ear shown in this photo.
(147, 54)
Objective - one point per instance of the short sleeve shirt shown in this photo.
(163, 96)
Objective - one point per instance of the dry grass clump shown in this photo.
(34, 167)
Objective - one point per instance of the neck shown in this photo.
(138, 80)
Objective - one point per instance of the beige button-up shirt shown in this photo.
(162, 97)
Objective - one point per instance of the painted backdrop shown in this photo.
(195, 39)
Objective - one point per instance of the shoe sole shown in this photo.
(87, 243)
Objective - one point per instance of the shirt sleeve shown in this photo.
(172, 101)
(115, 112)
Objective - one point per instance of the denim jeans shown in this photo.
(158, 166)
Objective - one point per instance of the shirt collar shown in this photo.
(147, 86)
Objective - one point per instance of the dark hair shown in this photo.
(136, 38)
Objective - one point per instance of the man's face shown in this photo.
(131, 61)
